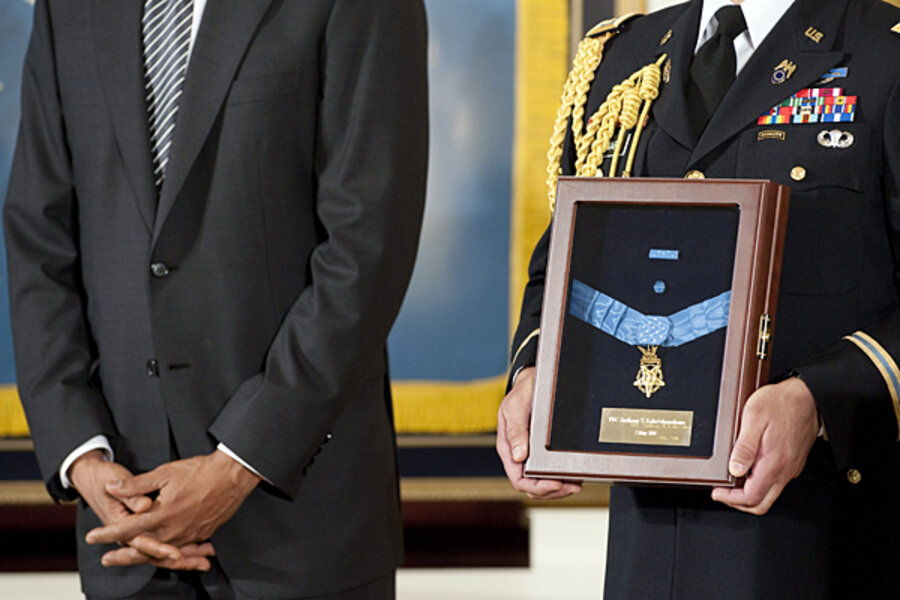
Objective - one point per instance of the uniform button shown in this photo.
(159, 270)
(152, 368)
(798, 173)
(695, 174)
(854, 476)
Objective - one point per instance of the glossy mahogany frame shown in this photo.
(763, 209)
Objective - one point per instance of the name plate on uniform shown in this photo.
(658, 315)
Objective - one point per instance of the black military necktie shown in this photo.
(713, 67)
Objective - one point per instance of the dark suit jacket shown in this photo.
(249, 304)
(826, 537)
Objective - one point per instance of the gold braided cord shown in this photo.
(602, 125)
(587, 60)
(649, 92)
(628, 118)
(626, 107)
(574, 97)
(621, 109)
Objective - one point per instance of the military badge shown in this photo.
(814, 34)
(783, 72)
(835, 138)
(831, 75)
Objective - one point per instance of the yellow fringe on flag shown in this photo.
(12, 417)
(447, 407)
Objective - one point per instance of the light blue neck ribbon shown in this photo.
(637, 329)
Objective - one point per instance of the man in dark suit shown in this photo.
(209, 307)
(819, 445)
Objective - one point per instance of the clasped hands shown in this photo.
(194, 497)
(778, 428)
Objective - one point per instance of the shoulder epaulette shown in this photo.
(611, 25)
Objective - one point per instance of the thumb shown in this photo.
(516, 414)
(516, 423)
(746, 448)
(137, 504)
(139, 485)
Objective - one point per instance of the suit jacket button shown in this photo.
(854, 476)
(798, 173)
(152, 368)
(695, 174)
(159, 270)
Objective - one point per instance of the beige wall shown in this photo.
(658, 4)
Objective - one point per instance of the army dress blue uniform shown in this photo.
(834, 531)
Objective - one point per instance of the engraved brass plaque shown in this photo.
(650, 427)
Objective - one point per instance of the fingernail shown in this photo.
(736, 468)
(116, 484)
(519, 453)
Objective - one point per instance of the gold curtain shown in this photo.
(12, 418)
(541, 66)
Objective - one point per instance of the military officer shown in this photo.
(814, 104)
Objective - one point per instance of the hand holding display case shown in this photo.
(658, 313)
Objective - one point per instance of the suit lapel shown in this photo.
(118, 46)
(225, 32)
(753, 92)
(670, 111)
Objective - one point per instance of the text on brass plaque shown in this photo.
(651, 427)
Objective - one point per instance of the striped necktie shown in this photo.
(167, 36)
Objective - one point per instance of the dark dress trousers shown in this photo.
(834, 531)
(249, 303)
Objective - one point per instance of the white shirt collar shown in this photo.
(760, 15)
(199, 6)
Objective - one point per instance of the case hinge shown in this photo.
(765, 337)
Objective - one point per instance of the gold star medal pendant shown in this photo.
(650, 376)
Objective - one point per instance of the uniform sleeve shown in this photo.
(54, 349)
(371, 166)
(856, 383)
(525, 339)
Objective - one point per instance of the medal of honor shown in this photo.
(650, 376)
(648, 333)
